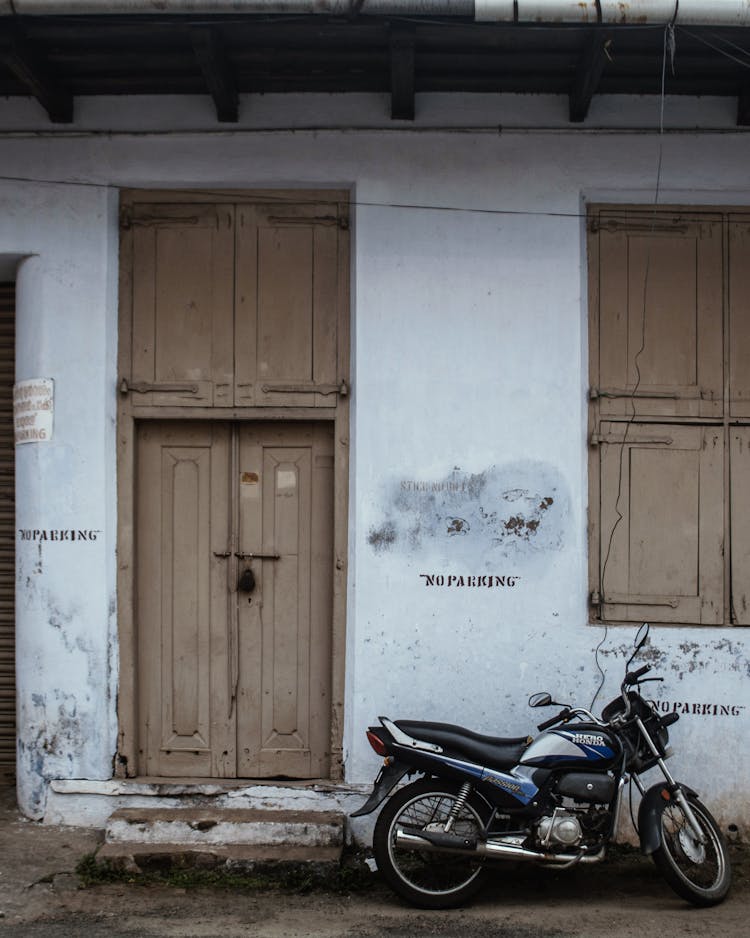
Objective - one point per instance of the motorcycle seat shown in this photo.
(488, 751)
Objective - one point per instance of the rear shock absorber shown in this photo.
(458, 805)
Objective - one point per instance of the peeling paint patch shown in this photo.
(383, 537)
(503, 511)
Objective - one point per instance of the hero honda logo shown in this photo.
(588, 739)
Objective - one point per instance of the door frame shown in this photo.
(127, 755)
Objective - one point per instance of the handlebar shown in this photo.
(634, 676)
(562, 715)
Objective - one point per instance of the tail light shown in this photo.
(377, 743)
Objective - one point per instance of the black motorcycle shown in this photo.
(554, 799)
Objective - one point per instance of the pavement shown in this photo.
(41, 896)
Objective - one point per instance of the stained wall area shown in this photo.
(467, 571)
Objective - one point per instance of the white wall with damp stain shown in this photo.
(468, 436)
(63, 256)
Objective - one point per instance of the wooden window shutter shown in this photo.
(181, 269)
(739, 316)
(739, 472)
(288, 326)
(665, 563)
(667, 269)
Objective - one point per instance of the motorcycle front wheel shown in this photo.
(699, 872)
(426, 878)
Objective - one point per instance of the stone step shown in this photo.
(134, 857)
(225, 827)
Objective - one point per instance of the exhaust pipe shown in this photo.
(439, 842)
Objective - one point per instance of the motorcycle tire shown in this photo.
(430, 879)
(700, 873)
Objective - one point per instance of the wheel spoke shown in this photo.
(697, 869)
(434, 872)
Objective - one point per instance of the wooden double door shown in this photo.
(234, 538)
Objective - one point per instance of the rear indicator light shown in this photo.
(377, 743)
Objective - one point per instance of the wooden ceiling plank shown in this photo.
(402, 73)
(589, 73)
(32, 72)
(217, 73)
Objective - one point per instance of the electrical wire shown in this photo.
(668, 48)
(727, 55)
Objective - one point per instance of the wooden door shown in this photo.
(286, 520)
(183, 604)
(235, 673)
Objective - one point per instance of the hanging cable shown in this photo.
(668, 49)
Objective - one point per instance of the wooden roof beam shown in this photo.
(18, 56)
(402, 73)
(589, 73)
(743, 106)
(217, 73)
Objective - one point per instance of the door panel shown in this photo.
(223, 666)
(182, 600)
(285, 625)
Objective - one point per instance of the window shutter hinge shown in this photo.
(595, 439)
(595, 598)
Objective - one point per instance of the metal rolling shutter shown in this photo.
(7, 536)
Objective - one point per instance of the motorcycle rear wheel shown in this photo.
(430, 879)
(700, 873)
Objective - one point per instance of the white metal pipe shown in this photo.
(635, 12)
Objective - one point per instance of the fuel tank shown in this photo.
(584, 745)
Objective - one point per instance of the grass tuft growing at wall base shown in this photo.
(352, 875)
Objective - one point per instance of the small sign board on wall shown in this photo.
(33, 410)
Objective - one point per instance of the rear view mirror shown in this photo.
(540, 700)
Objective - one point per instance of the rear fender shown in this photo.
(388, 777)
(650, 811)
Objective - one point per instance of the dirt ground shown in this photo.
(41, 897)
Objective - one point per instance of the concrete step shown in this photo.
(225, 826)
(241, 859)
(236, 838)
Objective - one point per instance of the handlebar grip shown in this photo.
(552, 720)
(632, 678)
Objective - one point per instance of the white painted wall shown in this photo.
(469, 366)
(65, 601)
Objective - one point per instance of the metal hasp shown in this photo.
(145, 387)
(341, 389)
(257, 556)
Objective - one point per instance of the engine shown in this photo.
(561, 828)
(571, 825)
